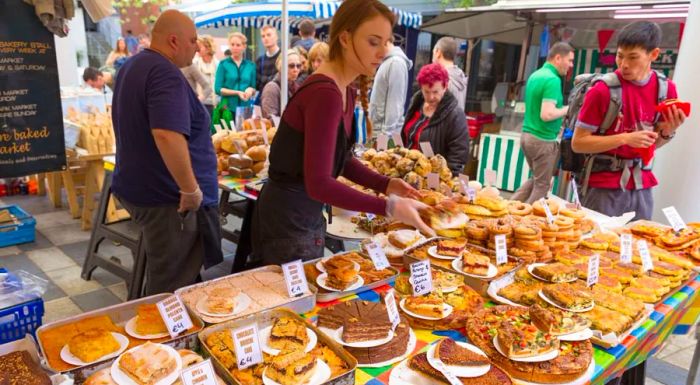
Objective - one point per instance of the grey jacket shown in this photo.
(458, 85)
(195, 77)
(386, 104)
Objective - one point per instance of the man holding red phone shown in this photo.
(620, 177)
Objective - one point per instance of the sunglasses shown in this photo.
(292, 66)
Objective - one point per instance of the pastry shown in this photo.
(18, 368)
(221, 300)
(522, 340)
(650, 283)
(555, 321)
(521, 293)
(288, 333)
(403, 239)
(91, 345)
(477, 264)
(292, 368)
(608, 321)
(339, 262)
(100, 377)
(644, 294)
(451, 247)
(495, 376)
(429, 305)
(149, 321)
(567, 297)
(341, 278)
(147, 364)
(626, 305)
(451, 353)
(555, 272)
(257, 154)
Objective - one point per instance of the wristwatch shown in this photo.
(665, 137)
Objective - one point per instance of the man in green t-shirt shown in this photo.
(544, 110)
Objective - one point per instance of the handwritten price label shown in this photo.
(643, 249)
(501, 249)
(440, 366)
(491, 177)
(199, 374)
(421, 278)
(433, 181)
(295, 278)
(574, 191)
(547, 211)
(593, 266)
(626, 248)
(391, 309)
(247, 345)
(427, 149)
(378, 257)
(674, 218)
(175, 315)
(382, 142)
(398, 142)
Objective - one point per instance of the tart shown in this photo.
(557, 322)
(451, 353)
(523, 340)
(555, 272)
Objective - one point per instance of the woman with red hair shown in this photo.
(434, 116)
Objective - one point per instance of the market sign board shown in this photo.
(31, 119)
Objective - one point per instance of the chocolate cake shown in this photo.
(18, 368)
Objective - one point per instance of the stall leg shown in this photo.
(245, 247)
(693, 371)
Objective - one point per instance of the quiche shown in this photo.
(521, 293)
(608, 321)
(555, 272)
(557, 322)
(522, 340)
(567, 297)
(628, 306)
(430, 305)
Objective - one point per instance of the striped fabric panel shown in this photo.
(502, 153)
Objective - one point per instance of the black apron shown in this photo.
(287, 223)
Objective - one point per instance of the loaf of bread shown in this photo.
(257, 153)
(240, 161)
(244, 173)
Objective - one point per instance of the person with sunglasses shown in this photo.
(270, 99)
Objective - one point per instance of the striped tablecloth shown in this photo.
(672, 314)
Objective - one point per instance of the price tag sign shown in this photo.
(378, 257)
(370, 216)
(175, 316)
(643, 249)
(257, 112)
(421, 278)
(501, 249)
(491, 176)
(433, 181)
(239, 149)
(382, 142)
(427, 149)
(471, 193)
(247, 345)
(276, 120)
(224, 124)
(295, 278)
(391, 309)
(442, 368)
(626, 248)
(264, 135)
(593, 266)
(398, 142)
(674, 218)
(199, 374)
(463, 184)
(218, 128)
(574, 191)
(547, 211)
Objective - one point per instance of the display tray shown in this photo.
(341, 227)
(479, 284)
(272, 296)
(119, 314)
(265, 319)
(324, 295)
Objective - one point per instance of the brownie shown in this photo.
(18, 368)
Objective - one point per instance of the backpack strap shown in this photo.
(613, 82)
(663, 92)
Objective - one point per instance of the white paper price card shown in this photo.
(421, 278)
(276, 121)
(247, 345)
(398, 142)
(295, 278)
(391, 309)
(491, 176)
(463, 183)
(427, 149)
(370, 216)
(574, 192)
(626, 248)
(218, 128)
(378, 257)
(643, 249)
(223, 123)
(175, 316)
(199, 374)
(547, 211)
(263, 133)
(471, 194)
(433, 181)
(674, 218)
(442, 368)
(593, 266)
(501, 249)
(382, 142)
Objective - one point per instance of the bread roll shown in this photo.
(240, 161)
(257, 153)
(254, 140)
(257, 167)
(241, 173)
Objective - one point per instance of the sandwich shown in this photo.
(403, 239)
(446, 219)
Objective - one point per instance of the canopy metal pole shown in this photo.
(285, 48)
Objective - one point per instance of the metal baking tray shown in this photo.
(265, 319)
(301, 304)
(323, 295)
(120, 314)
(481, 285)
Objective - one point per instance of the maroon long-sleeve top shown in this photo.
(317, 111)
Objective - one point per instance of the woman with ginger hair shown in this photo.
(313, 146)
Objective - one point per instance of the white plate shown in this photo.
(321, 374)
(322, 268)
(338, 337)
(549, 301)
(584, 379)
(461, 371)
(412, 342)
(122, 378)
(532, 267)
(492, 291)
(242, 303)
(69, 358)
(130, 329)
(577, 336)
(264, 335)
(321, 281)
(433, 253)
(542, 357)
(493, 270)
(447, 310)
(402, 374)
(449, 289)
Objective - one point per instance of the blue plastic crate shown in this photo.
(13, 233)
(19, 320)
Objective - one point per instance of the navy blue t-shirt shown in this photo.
(151, 92)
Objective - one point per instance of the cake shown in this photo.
(288, 333)
(291, 368)
(476, 264)
(451, 247)
(333, 317)
(450, 353)
(495, 376)
(18, 368)
(428, 305)
(371, 326)
(91, 345)
(149, 321)
(147, 364)
(341, 278)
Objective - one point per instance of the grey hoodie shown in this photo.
(458, 85)
(386, 108)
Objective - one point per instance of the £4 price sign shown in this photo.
(174, 314)
(295, 278)
(378, 257)
(247, 345)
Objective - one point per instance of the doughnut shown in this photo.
(531, 245)
(522, 253)
(539, 210)
(499, 226)
(477, 230)
(564, 223)
(519, 208)
(527, 231)
(572, 213)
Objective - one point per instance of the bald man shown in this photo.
(165, 174)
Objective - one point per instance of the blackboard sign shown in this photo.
(31, 120)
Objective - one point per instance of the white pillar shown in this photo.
(69, 70)
(677, 165)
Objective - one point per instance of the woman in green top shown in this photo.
(235, 77)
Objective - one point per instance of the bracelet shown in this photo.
(192, 193)
(669, 137)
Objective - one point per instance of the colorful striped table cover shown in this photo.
(237, 186)
(609, 363)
